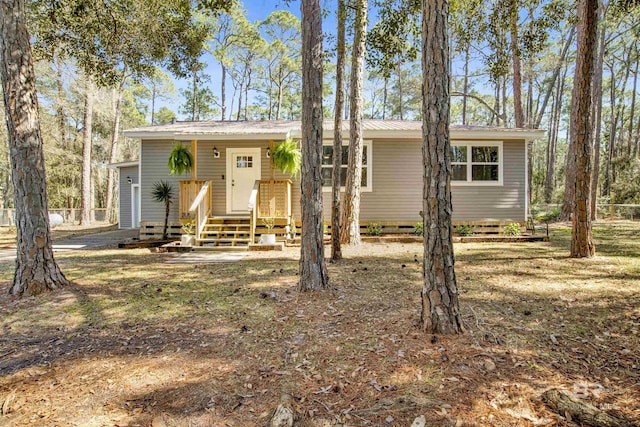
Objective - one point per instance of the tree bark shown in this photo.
(517, 72)
(313, 270)
(580, 412)
(223, 93)
(597, 115)
(465, 85)
(350, 232)
(440, 313)
(581, 130)
(87, 143)
(112, 215)
(36, 269)
(336, 248)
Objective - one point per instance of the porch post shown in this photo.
(194, 153)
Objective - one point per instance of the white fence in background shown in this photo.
(70, 216)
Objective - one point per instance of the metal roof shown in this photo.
(281, 129)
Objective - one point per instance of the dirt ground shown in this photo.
(138, 342)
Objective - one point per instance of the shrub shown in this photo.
(419, 228)
(512, 229)
(465, 230)
(374, 229)
(189, 227)
(548, 216)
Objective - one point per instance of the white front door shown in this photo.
(243, 169)
(135, 205)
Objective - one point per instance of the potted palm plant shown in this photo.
(269, 238)
(188, 237)
(163, 193)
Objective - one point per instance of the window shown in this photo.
(327, 166)
(244, 162)
(479, 163)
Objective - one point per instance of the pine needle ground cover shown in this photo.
(137, 341)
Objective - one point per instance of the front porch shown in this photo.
(268, 211)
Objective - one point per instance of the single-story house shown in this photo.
(235, 185)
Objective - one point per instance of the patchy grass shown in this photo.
(137, 341)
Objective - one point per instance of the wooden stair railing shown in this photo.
(254, 207)
(201, 207)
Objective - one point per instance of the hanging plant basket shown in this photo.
(287, 157)
(180, 160)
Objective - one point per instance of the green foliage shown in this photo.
(180, 160)
(395, 39)
(189, 227)
(548, 216)
(465, 230)
(419, 228)
(137, 36)
(163, 115)
(512, 229)
(286, 157)
(204, 106)
(374, 229)
(162, 192)
(269, 222)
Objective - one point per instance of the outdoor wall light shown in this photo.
(129, 180)
(216, 153)
(268, 152)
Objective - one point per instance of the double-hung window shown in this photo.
(476, 163)
(327, 166)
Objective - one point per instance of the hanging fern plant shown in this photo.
(180, 160)
(287, 157)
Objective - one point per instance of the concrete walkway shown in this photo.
(106, 239)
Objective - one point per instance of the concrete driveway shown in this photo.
(106, 239)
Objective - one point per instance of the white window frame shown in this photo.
(369, 186)
(469, 163)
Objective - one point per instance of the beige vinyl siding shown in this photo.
(397, 182)
(124, 194)
(215, 170)
(397, 187)
(155, 155)
(506, 202)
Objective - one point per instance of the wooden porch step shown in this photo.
(225, 240)
(210, 224)
(220, 248)
(222, 232)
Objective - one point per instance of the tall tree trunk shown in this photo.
(554, 77)
(240, 95)
(87, 142)
(597, 114)
(336, 249)
(223, 93)
(313, 270)
(278, 102)
(153, 103)
(465, 84)
(194, 96)
(496, 105)
(384, 98)
(633, 103)
(350, 233)
(36, 270)
(112, 215)
(517, 72)
(553, 139)
(440, 313)
(400, 93)
(60, 113)
(581, 130)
